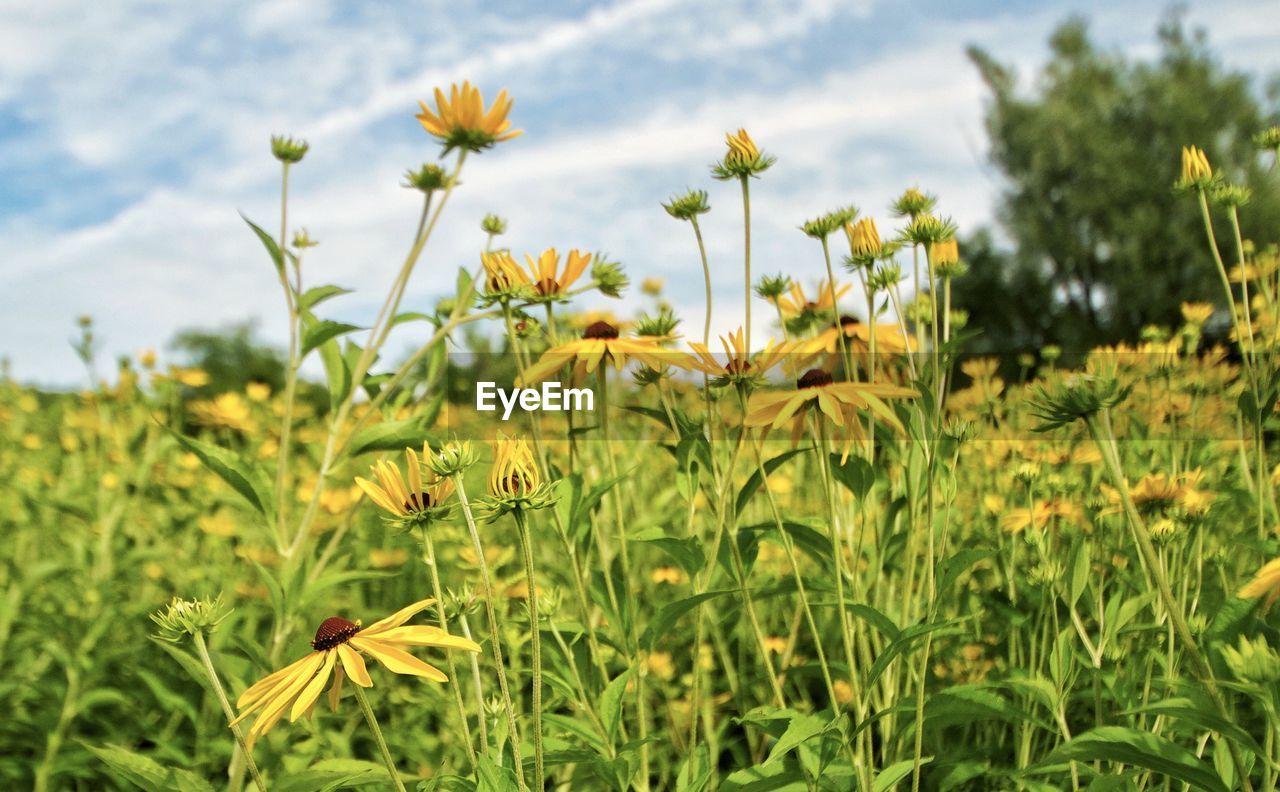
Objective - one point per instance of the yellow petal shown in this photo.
(312, 691)
(353, 665)
(398, 661)
(398, 618)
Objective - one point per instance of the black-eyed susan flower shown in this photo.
(838, 401)
(504, 278)
(1196, 172)
(1265, 583)
(888, 337)
(864, 241)
(742, 159)
(549, 280)
(737, 365)
(414, 500)
(461, 121)
(340, 646)
(797, 304)
(515, 482)
(602, 343)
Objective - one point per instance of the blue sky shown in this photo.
(132, 132)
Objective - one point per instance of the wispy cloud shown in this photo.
(624, 104)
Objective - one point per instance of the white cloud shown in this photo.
(179, 256)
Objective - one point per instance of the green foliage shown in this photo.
(1102, 247)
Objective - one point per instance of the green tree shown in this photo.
(1101, 244)
(232, 358)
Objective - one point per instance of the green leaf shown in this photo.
(855, 473)
(242, 475)
(665, 619)
(1078, 564)
(389, 436)
(491, 777)
(268, 242)
(337, 373)
(686, 552)
(965, 704)
(802, 727)
(695, 772)
(770, 778)
(1140, 749)
(329, 775)
(317, 332)
(318, 294)
(611, 702)
(147, 773)
(1201, 716)
(894, 774)
(753, 483)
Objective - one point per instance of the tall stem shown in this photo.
(746, 255)
(429, 551)
(494, 633)
(535, 630)
(291, 375)
(372, 720)
(1104, 436)
(706, 277)
(216, 684)
(835, 310)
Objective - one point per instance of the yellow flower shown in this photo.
(1018, 520)
(462, 122)
(1265, 581)
(742, 159)
(742, 148)
(339, 648)
(600, 342)
(864, 239)
(833, 399)
(218, 523)
(660, 665)
(1196, 313)
(1196, 171)
(843, 691)
(225, 411)
(652, 286)
(515, 472)
(738, 361)
(670, 575)
(147, 358)
(775, 644)
(502, 272)
(385, 559)
(191, 377)
(889, 340)
(413, 500)
(258, 391)
(31, 442)
(797, 303)
(944, 252)
(546, 281)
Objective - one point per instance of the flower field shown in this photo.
(847, 557)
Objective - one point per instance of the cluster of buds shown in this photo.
(288, 150)
(688, 206)
(182, 618)
(822, 227)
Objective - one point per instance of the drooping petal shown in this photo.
(353, 665)
(398, 661)
(398, 618)
(424, 635)
(313, 688)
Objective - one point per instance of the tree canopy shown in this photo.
(1101, 246)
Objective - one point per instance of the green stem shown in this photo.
(203, 650)
(494, 632)
(429, 551)
(372, 720)
(706, 277)
(746, 256)
(535, 632)
(1104, 436)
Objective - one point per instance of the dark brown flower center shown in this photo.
(814, 378)
(600, 330)
(738, 366)
(417, 503)
(849, 321)
(334, 631)
(547, 287)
